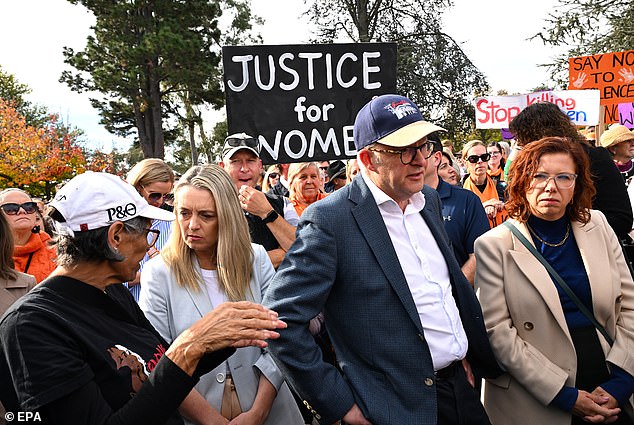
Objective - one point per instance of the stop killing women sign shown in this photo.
(582, 106)
(301, 100)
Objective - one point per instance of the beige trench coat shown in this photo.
(526, 324)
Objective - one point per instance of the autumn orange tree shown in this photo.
(38, 158)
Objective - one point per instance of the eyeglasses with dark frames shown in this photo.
(474, 158)
(562, 180)
(408, 154)
(152, 237)
(11, 208)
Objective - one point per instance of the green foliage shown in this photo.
(141, 52)
(432, 68)
(11, 90)
(587, 27)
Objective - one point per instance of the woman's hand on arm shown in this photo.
(261, 405)
(233, 324)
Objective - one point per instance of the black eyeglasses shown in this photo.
(12, 208)
(152, 237)
(408, 154)
(474, 158)
(156, 196)
(273, 175)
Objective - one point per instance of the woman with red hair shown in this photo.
(557, 297)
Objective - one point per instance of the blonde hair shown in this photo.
(275, 168)
(294, 170)
(469, 145)
(148, 171)
(234, 254)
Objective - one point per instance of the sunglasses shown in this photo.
(273, 175)
(474, 158)
(249, 142)
(12, 208)
(157, 196)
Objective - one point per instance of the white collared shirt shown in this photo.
(427, 275)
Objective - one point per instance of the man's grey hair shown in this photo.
(92, 245)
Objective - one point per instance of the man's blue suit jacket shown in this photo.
(343, 263)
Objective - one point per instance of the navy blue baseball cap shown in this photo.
(391, 120)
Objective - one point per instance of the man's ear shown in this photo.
(436, 157)
(222, 164)
(365, 157)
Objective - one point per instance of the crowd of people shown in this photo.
(383, 289)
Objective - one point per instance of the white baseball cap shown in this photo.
(92, 200)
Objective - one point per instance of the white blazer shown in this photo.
(172, 309)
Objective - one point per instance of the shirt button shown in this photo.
(220, 378)
(528, 326)
(429, 382)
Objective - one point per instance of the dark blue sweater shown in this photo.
(567, 262)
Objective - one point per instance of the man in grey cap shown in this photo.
(272, 219)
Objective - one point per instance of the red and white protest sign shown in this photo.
(582, 106)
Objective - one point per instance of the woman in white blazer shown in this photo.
(208, 260)
(560, 368)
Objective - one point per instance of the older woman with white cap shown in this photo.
(619, 140)
(77, 349)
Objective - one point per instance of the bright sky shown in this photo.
(34, 32)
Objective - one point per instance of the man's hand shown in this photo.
(467, 370)
(355, 417)
(254, 202)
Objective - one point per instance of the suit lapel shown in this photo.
(368, 217)
(594, 254)
(537, 276)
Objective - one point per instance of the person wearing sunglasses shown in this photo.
(78, 350)
(13, 284)
(271, 177)
(32, 254)
(154, 180)
(479, 182)
(557, 297)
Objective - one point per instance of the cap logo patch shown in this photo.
(121, 212)
(401, 109)
(83, 227)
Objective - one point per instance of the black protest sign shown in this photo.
(301, 100)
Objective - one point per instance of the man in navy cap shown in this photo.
(374, 257)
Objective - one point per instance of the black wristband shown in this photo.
(271, 217)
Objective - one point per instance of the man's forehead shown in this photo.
(243, 154)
